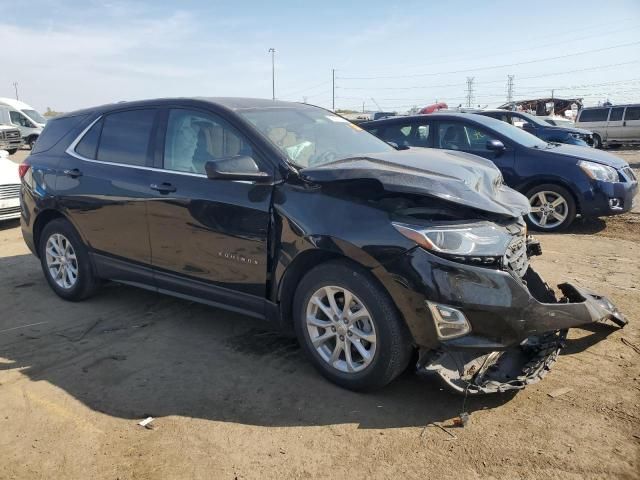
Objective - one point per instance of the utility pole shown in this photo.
(15, 86)
(333, 89)
(363, 106)
(510, 88)
(470, 96)
(273, 72)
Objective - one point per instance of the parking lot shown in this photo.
(232, 399)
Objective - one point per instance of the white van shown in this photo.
(25, 118)
(611, 126)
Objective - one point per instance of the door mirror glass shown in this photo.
(238, 167)
(495, 145)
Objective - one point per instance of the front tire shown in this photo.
(12, 151)
(597, 141)
(349, 327)
(552, 208)
(65, 261)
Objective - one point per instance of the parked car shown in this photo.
(25, 118)
(612, 126)
(9, 188)
(560, 181)
(290, 213)
(10, 138)
(540, 128)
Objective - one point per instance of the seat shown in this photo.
(452, 139)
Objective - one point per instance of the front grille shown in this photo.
(12, 134)
(9, 211)
(628, 173)
(9, 191)
(516, 257)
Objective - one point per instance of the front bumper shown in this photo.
(518, 326)
(597, 201)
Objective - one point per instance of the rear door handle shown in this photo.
(73, 173)
(163, 187)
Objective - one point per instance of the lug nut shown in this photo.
(349, 333)
(333, 329)
(341, 337)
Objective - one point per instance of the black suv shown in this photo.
(289, 213)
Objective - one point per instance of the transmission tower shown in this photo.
(510, 88)
(470, 95)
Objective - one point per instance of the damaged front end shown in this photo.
(482, 370)
(482, 319)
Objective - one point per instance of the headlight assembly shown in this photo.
(599, 172)
(483, 240)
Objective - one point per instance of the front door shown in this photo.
(615, 129)
(466, 137)
(631, 124)
(208, 237)
(103, 185)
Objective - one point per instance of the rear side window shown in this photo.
(88, 146)
(616, 114)
(54, 131)
(125, 137)
(594, 115)
(400, 134)
(633, 113)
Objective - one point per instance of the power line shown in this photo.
(492, 67)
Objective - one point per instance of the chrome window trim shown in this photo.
(71, 150)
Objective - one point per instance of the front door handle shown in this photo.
(73, 173)
(163, 187)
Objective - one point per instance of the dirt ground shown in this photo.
(232, 399)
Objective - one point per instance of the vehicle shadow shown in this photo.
(131, 353)
(580, 226)
(599, 331)
(9, 224)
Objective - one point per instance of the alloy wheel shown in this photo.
(341, 329)
(62, 262)
(548, 209)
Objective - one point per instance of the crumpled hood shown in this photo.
(453, 176)
(590, 154)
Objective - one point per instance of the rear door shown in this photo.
(631, 124)
(615, 128)
(103, 186)
(472, 138)
(208, 237)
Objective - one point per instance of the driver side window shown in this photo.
(18, 119)
(193, 138)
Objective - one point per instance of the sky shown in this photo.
(67, 55)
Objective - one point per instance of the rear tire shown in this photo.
(558, 204)
(372, 341)
(65, 261)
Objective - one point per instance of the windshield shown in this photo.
(313, 136)
(35, 116)
(514, 133)
(531, 119)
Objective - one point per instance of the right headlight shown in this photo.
(597, 171)
(481, 239)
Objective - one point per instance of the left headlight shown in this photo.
(482, 239)
(599, 172)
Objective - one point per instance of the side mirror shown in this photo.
(495, 146)
(239, 167)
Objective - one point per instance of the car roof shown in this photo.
(437, 116)
(613, 106)
(229, 103)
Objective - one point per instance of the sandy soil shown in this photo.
(232, 399)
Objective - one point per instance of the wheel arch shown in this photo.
(45, 217)
(534, 182)
(311, 258)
